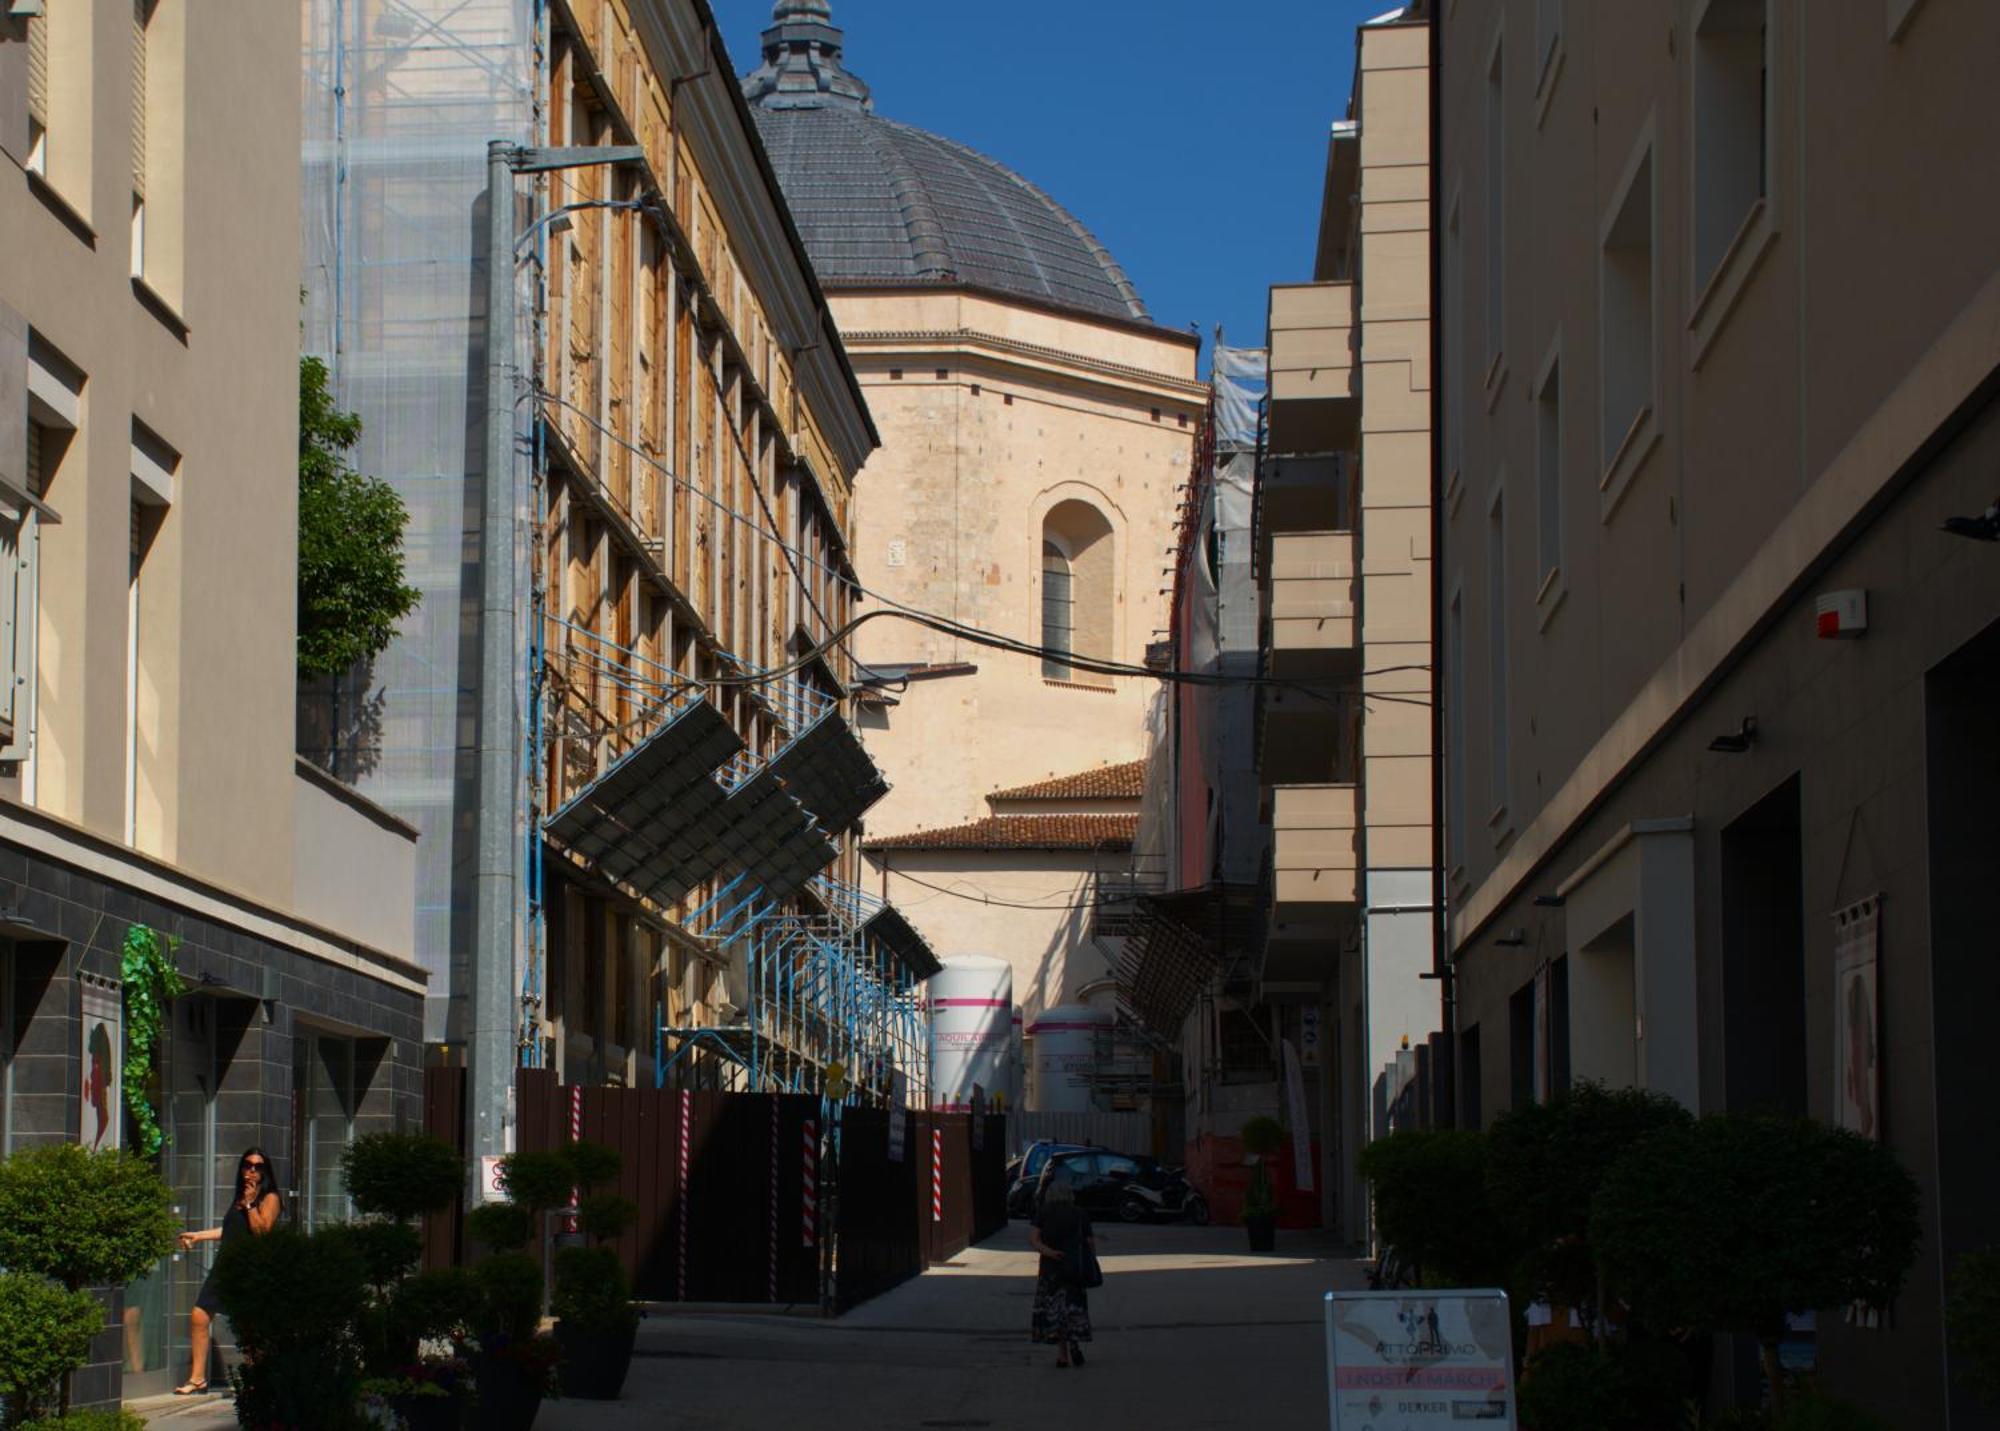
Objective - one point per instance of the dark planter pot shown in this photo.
(594, 1363)
(1263, 1232)
(510, 1396)
(431, 1413)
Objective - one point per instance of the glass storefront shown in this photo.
(323, 1102)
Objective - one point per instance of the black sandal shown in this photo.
(191, 1388)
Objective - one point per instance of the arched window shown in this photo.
(1079, 593)
(1058, 612)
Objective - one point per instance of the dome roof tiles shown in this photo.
(880, 203)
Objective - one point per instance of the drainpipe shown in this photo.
(489, 1034)
(1446, 1100)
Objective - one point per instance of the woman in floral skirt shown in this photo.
(1063, 1235)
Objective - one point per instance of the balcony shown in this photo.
(1315, 384)
(1310, 604)
(1315, 857)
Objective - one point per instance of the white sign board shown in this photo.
(1419, 1361)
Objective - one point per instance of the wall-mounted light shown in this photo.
(1739, 741)
(1983, 528)
(1550, 901)
(1512, 939)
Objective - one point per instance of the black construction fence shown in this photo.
(757, 1197)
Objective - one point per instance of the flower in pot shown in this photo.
(596, 1322)
(430, 1394)
(1262, 1137)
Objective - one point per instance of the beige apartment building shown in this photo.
(149, 321)
(1344, 539)
(1722, 624)
(1035, 426)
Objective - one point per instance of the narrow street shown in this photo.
(1192, 1332)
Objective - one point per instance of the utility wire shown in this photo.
(982, 898)
(947, 625)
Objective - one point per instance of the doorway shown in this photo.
(323, 1105)
(1764, 957)
(157, 1305)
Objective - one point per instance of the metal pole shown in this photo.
(489, 1040)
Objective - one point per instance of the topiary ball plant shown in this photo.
(82, 1218)
(45, 1334)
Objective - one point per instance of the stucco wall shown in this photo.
(217, 592)
(355, 866)
(1050, 950)
(950, 514)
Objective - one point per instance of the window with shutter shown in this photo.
(38, 68)
(142, 14)
(17, 609)
(38, 92)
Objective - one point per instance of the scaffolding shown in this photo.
(708, 799)
(832, 982)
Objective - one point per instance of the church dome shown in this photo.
(882, 204)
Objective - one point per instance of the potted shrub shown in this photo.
(1429, 1193)
(45, 1334)
(1262, 1138)
(394, 1179)
(296, 1300)
(596, 1322)
(77, 1219)
(1813, 1217)
(1974, 1317)
(513, 1361)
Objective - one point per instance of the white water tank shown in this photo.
(1066, 1039)
(971, 1002)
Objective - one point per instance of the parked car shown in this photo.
(1134, 1189)
(1024, 1173)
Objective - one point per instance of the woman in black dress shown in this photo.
(1063, 1235)
(252, 1214)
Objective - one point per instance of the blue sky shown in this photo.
(1188, 135)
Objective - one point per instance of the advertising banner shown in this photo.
(101, 1115)
(1419, 1361)
(1856, 1007)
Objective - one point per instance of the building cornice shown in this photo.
(57, 839)
(1035, 355)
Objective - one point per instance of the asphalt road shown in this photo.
(1192, 1332)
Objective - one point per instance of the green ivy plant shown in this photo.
(150, 980)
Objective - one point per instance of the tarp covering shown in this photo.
(1241, 378)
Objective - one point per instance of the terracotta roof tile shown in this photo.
(1108, 834)
(1107, 782)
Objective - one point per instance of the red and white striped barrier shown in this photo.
(776, 1105)
(937, 1175)
(575, 1136)
(810, 1199)
(687, 1118)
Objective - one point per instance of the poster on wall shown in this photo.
(101, 1113)
(1542, 1067)
(1856, 1013)
(1419, 1361)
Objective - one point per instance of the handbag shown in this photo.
(1088, 1273)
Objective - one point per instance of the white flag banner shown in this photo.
(1295, 1098)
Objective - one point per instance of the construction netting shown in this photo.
(401, 98)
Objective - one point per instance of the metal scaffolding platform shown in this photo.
(819, 987)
